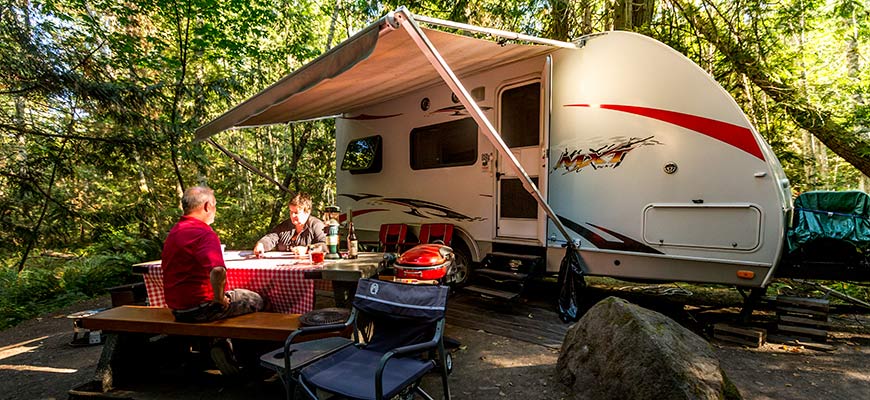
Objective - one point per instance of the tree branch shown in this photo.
(62, 136)
(821, 123)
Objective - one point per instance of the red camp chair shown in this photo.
(393, 237)
(432, 233)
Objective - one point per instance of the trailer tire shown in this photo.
(461, 265)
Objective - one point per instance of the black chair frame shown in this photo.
(429, 349)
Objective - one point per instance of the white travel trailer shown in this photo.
(616, 141)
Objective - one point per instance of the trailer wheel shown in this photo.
(461, 265)
(447, 366)
(448, 363)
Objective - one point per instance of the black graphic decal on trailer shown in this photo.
(627, 244)
(418, 208)
(366, 117)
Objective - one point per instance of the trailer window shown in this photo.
(521, 115)
(518, 203)
(363, 156)
(448, 144)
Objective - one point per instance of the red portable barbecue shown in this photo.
(425, 262)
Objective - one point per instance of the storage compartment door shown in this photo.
(715, 226)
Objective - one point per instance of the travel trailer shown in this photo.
(615, 142)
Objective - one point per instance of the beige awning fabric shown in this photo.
(372, 66)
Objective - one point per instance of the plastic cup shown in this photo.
(316, 256)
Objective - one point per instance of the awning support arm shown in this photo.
(404, 19)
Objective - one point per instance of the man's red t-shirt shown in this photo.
(190, 252)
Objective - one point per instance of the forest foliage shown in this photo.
(99, 100)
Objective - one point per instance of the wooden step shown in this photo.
(497, 274)
(803, 331)
(801, 302)
(808, 322)
(489, 292)
(753, 337)
(801, 311)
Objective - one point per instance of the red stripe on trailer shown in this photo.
(734, 135)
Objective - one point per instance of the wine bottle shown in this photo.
(352, 242)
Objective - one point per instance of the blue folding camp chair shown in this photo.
(406, 342)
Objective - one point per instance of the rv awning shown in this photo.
(372, 66)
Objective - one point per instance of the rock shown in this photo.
(619, 350)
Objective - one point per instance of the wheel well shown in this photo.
(462, 242)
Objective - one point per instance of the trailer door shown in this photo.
(520, 110)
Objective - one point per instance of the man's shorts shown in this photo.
(241, 301)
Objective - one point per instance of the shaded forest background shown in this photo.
(99, 100)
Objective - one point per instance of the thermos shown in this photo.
(332, 239)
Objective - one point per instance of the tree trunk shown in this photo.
(331, 33)
(841, 138)
(632, 14)
(809, 160)
(588, 10)
(561, 20)
(34, 235)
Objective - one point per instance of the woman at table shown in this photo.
(296, 234)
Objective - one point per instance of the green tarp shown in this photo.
(831, 215)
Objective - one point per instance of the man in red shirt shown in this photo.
(194, 276)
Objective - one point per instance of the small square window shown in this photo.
(363, 156)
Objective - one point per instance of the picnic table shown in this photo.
(286, 281)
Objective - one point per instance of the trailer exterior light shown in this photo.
(744, 274)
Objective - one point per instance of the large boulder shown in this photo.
(619, 350)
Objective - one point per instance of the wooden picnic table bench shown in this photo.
(160, 321)
(130, 330)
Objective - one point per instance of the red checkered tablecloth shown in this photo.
(281, 282)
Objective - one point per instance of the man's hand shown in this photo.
(223, 301)
(259, 249)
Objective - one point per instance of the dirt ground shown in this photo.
(36, 362)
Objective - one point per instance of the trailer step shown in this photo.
(527, 257)
(514, 263)
(503, 275)
(492, 293)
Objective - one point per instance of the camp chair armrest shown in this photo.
(414, 348)
(379, 373)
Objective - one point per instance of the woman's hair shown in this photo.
(301, 200)
(196, 196)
